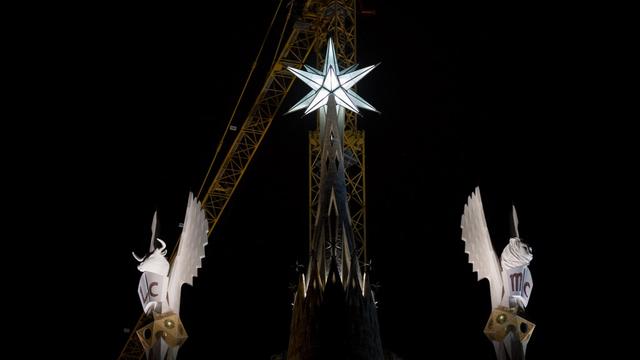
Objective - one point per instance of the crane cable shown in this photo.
(253, 67)
(284, 28)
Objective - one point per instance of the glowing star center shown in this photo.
(331, 81)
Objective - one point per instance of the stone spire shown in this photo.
(334, 315)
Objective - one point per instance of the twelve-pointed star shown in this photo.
(331, 80)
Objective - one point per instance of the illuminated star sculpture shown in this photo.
(331, 80)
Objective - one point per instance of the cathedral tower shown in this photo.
(334, 312)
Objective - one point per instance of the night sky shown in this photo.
(465, 99)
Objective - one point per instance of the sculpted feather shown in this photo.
(477, 244)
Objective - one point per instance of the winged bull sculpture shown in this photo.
(161, 283)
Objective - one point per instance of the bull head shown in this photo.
(155, 261)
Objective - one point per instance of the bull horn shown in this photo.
(164, 245)
(140, 259)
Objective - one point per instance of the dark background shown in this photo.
(468, 97)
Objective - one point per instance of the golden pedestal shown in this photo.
(503, 321)
(166, 326)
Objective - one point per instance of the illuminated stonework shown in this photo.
(334, 312)
(161, 283)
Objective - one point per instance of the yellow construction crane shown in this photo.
(316, 20)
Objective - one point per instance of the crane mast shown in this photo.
(319, 18)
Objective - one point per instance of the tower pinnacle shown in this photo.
(334, 314)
